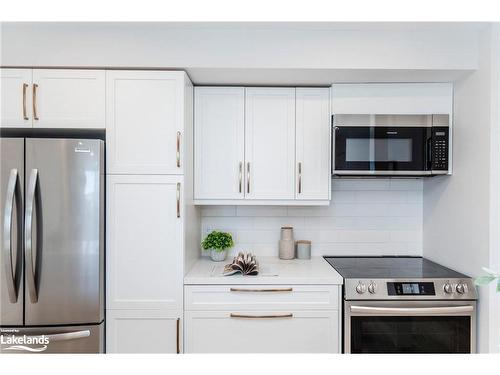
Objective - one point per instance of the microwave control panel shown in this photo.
(440, 148)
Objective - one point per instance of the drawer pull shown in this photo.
(178, 150)
(274, 316)
(35, 112)
(261, 290)
(25, 116)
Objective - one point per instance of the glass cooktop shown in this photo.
(390, 267)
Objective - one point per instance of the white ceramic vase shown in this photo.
(218, 256)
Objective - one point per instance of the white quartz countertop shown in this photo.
(272, 271)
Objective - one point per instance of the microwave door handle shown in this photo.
(429, 153)
(405, 311)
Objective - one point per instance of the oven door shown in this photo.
(409, 327)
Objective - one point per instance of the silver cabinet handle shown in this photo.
(271, 316)
(178, 153)
(25, 115)
(240, 176)
(178, 199)
(300, 177)
(248, 177)
(28, 240)
(35, 114)
(13, 192)
(411, 310)
(272, 290)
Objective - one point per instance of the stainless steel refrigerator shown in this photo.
(52, 245)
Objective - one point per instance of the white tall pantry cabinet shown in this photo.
(149, 165)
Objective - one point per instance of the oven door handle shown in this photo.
(448, 310)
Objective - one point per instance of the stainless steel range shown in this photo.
(405, 305)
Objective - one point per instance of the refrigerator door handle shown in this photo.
(28, 236)
(11, 271)
(66, 336)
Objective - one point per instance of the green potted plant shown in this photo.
(490, 276)
(218, 243)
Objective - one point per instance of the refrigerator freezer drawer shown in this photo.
(76, 339)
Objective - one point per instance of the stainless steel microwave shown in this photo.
(391, 145)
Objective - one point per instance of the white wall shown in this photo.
(457, 208)
(211, 52)
(494, 318)
(365, 217)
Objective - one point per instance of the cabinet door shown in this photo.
(262, 332)
(219, 142)
(270, 143)
(132, 331)
(313, 138)
(16, 108)
(68, 98)
(145, 114)
(144, 242)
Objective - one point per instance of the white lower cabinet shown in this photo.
(262, 319)
(143, 331)
(262, 331)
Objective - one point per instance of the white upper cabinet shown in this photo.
(16, 98)
(53, 98)
(68, 98)
(144, 242)
(270, 143)
(219, 139)
(313, 138)
(145, 118)
(249, 143)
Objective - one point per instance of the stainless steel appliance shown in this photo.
(52, 246)
(391, 145)
(405, 305)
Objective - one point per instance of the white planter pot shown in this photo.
(218, 256)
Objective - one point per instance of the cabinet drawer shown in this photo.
(262, 332)
(261, 297)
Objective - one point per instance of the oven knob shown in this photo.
(360, 288)
(448, 288)
(461, 288)
(372, 288)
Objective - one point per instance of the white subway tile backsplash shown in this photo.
(407, 184)
(365, 217)
(218, 211)
(275, 223)
(261, 211)
(360, 184)
(386, 196)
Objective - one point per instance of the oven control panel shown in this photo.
(411, 289)
(436, 289)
